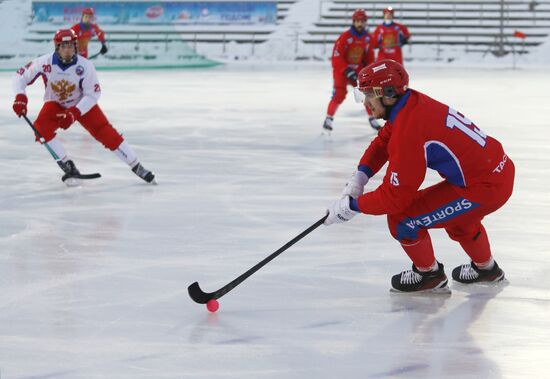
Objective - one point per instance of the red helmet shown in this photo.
(65, 35)
(359, 14)
(388, 10)
(383, 78)
(88, 11)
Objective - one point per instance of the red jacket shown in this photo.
(85, 34)
(423, 133)
(352, 49)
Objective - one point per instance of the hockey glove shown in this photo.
(355, 185)
(20, 105)
(103, 49)
(67, 118)
(351, 75)
(340, 211)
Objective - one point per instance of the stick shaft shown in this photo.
(42, 140)
(202, 297)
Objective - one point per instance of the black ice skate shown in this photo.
(374, 124)
(72, 176)
(70, 168)
(416, 281)
(469, 273)
(327, 125)
(144, 174)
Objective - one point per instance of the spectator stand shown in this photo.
(495, 26)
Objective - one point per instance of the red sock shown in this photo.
(478, 247)
(421, 253)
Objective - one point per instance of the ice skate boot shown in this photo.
(412, 281)
(374, 123)
(327, 125)
(144, 174)
(71, 176)
(469, 273)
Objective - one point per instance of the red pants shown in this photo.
(339, 93)
(94, 121)
(446, 206)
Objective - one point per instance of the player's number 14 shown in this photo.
(455, 119)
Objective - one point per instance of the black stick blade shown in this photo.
(81, 176)
(198, 295)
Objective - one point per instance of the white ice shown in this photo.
(93, 280)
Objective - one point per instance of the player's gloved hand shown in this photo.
(351, 75)
(67, 118)
(340, 211)
(103, 49)
(355, 185)
(20, 105)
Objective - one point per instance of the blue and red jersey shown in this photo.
(389, 39)
(352, 49)
(85, 32)
(423, 133)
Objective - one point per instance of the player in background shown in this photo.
(72, 92)
(85, 30)
(421, 133)
(352, 51)
(389, 38)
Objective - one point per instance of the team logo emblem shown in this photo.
(355, 54)
(63, 89)
(79, 70)
(389, 41)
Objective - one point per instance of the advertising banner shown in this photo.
(158, 12)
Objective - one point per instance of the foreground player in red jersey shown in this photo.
(71, 94)
(85, 30)
(352, 51)
(422, 133)
(389, 38)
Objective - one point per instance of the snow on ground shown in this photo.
(93, 279)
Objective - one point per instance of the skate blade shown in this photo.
(432, 291)
(502, 282)
(72, 182)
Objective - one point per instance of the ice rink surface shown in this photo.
(93, 280)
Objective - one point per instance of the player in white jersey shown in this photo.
(72, 92)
